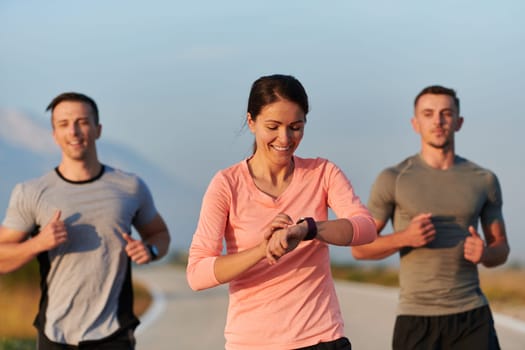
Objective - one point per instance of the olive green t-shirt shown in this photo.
(436, 279)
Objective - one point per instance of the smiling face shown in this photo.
(278, 130)
(436, 119)
(74, 130)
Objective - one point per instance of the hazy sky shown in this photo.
(171, 78)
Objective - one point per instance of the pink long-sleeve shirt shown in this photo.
(293, 303)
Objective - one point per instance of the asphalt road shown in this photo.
(182, 319)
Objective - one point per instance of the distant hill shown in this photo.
(27, 150)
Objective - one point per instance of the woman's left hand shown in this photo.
(284, 241)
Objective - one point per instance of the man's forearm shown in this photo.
(381, 248)
(495, 254)
(15, 255)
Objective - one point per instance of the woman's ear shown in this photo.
(250, 122)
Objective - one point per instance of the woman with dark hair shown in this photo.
(272, 211)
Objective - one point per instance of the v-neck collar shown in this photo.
(263, 196)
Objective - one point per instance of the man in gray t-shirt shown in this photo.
(434, 200)
(76, 220)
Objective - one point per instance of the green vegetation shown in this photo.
(27, 275)
(10, 344)
(383, 275)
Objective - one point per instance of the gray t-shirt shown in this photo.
(436, 279)
(86, 291)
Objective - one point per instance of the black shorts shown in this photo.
(122, 340)
(338, 344)
(472, 329)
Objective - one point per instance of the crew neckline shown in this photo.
(95, 178)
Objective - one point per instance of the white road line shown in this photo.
(509, 322)
(155, 310)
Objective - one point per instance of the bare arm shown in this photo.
(420, 232)
(155, 232)
(16, 250)
(337, 232)
(382, 247)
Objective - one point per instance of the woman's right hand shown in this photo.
(281, 221)
(283, 241)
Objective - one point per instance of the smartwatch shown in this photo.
(153, 250)
(312, 228)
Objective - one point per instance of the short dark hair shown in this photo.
(272, 88)
(76, 97)
(438, 90)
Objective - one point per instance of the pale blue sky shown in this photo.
(171, 78)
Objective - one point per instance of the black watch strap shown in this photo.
(154, 252)
(312, 228)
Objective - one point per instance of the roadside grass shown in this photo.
(19, 298)
(504, 287)
(382, 275)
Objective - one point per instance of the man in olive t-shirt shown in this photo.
(435, 199)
